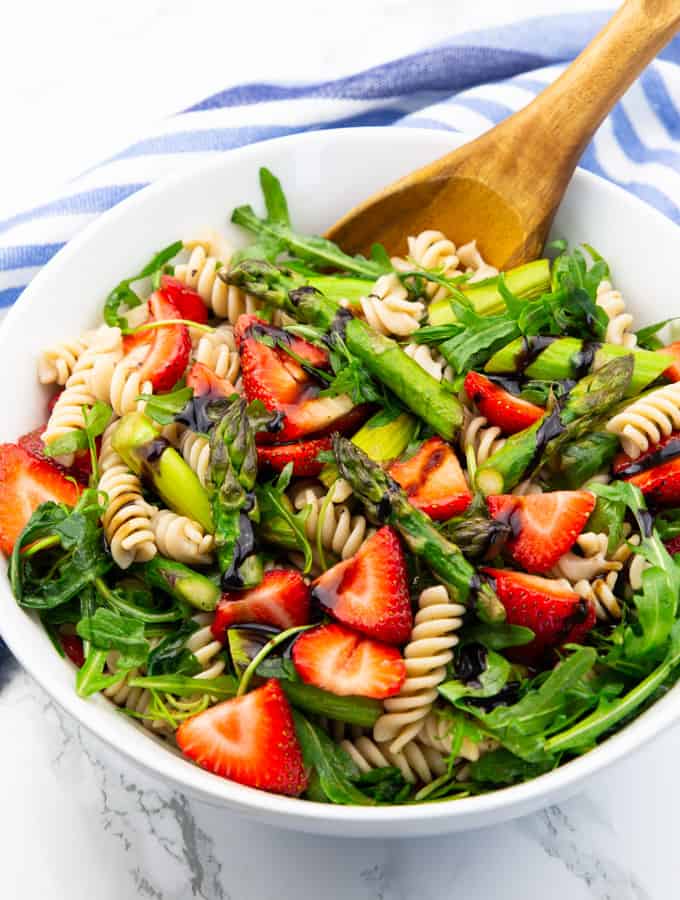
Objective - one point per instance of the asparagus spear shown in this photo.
(555, 359)
(180, 582)
(521, 454)
(381, 356)
(138, 440)
(386, 502)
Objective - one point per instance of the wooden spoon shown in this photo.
(504, 187)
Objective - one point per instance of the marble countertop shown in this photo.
(78, 821)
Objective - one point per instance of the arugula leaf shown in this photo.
(279, 523)
(274, 198)
(171, 655)
(478, 341)
(385, 785)
(335, 768)
(164, 408)
(647, 337)
(123, 294)
(498, 636)
(667, 524)
(608, 518)
(224, 686)
(107, 630)
(96, 419)
(71, 442)
(503, 767)
(489, 683)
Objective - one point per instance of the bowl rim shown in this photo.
(293, 812)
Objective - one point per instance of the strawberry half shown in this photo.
(556, 615)
(673, 545)
(343, 662)
(544, 526)
(80, 469)
(169, 352)
(434, 480)
(72, 646)
(302, 454)
(249, 739)
(369, 591)
(660, 484)
(672, 373)
(203, 382)
(25, 483)
(509, 413)
(272, 375)
(281, 599)
(188, 301)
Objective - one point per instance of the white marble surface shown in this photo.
(78, 80)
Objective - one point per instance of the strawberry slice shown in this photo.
(501, 408)
(672, 373)
(249, 739)
(369, 591)
(275, 377)
(673, 545)
(205, 382)
(660, 484)
(434, 480)
(25, 483)
(281, 599)
(339, 660)
(556, 615)
(170, 348)
(80, 469)
(188, 301)
(544, 526)
(72, 646)
(302, 454)
(665, 450)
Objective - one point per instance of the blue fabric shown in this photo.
(467, 83)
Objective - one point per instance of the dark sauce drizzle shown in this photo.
(664, 454)
(245, 546)
(551, 427)
(582, 361)
(532, 347)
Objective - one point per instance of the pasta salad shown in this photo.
(361, 530)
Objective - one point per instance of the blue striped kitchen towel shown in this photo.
(466, 84)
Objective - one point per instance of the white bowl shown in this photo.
(324, 173)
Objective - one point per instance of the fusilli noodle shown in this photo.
(195, 449)
(647, 420)
(57, 362)
(426, 655)
(474, 262)
(433, 250)
(121, 387)
(201, 273)
(436, 733)
(332, 522)
(388, 310)
(217, 351)
(127, 518)
(415, 762)
(180, 538)
(618, 328)
(484, 439)
(428, 359)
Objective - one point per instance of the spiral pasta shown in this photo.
(217, 351)
(618, 327)
(201, 274)
(592, 561)
(428, 359)
(98, 361)
(207, 650)
(483, 439)
(648, 419)
(57, 362)
(181, 539)
(416, 762)
(426, 655)
(121, 386)
(474, 263)
(436, 733)
(127, 517)
(330, 521)
(388, 310)
(433, 250)
(195, 449)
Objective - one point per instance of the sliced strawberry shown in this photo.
(188, 301)
(665, 450)
(369, 591)
(673, 545)
(203, 381)
(544, 526)
(434, 480)
(273, 376)
(556, 614)
(302, 454)
(281, 599)
(72, 646)
(673, 371)
(142, 338)
(501, 408)
(249, 739)
(80, 469)
(343, 662)
(25, 483)
(169, 352)
(660, 484)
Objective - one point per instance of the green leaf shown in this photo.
(647, 337)
(502, 767)
(164, 408)
(335, 768)
(280, 524)
(224, 686)
(579, 460)
(171, 655)
(274, 198)
(107, 630)
(71, 442)
(608, 518)
(123, 295)
(489, 683)
(499, 636)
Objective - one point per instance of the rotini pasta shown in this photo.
(127, 517)
(57, 362)
(180, 538)
(648, 419)
(620, 322)
(436, 733)
(428, 359)
(474, 263)
(416, 762)
(483, 439)
(121, 386)
(195, 448)
(434, 251)
(201, 273)
(388, 310)
(217, 351)
(329, 520)
(427, 654)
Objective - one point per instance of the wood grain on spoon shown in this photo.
(504, 187)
